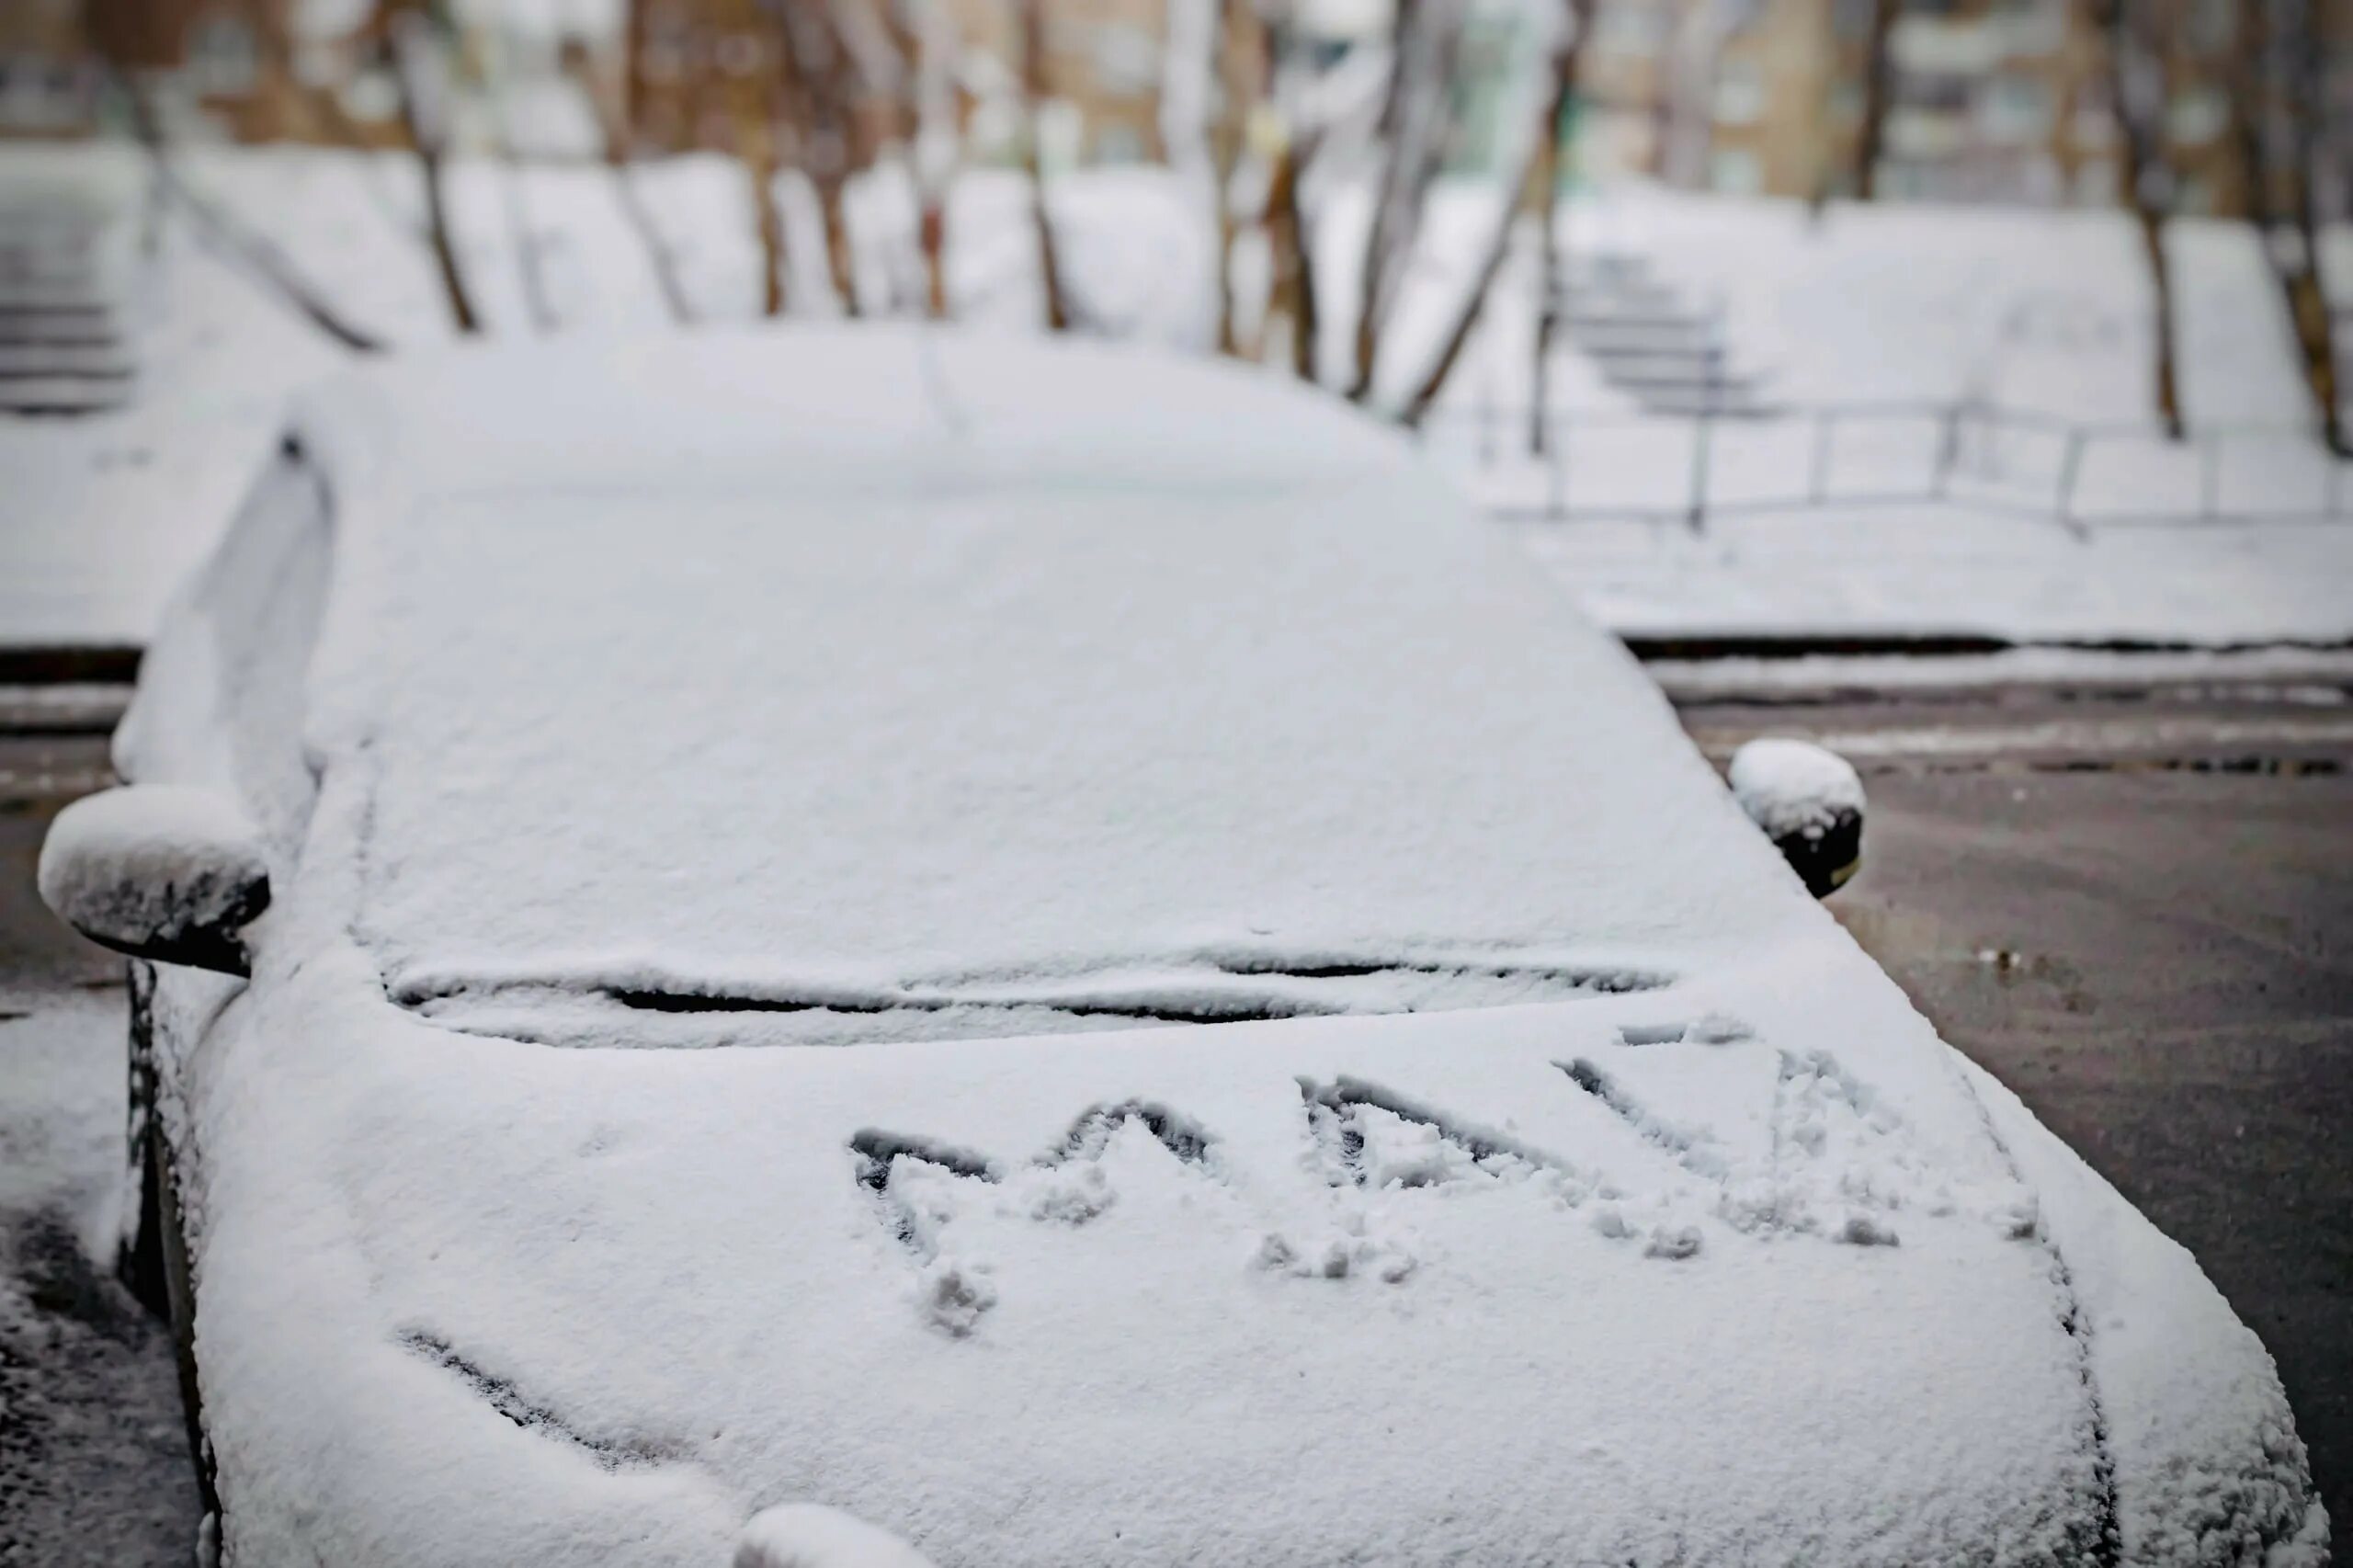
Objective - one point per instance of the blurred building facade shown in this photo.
(1986, 100)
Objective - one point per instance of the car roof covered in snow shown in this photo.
(886, 684)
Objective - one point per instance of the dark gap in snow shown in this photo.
(876, 1153)
(654, 1001)
(1648, 1034)
(1179, 1134)
(1205, 1010)
(876, 1149)
(1194, 988)
(1677, 1141)
(2107, 1529)
(1339, 1101)
(503, 1397)
(1606, 982)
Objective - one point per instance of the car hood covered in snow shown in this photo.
(1621, 1210)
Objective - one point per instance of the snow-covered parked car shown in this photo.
(1061, 953)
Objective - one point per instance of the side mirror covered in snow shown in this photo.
(159, 871)
(1810, 803)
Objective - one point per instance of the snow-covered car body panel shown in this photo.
(1706, 1250)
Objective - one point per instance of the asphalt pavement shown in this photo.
(2134, 905)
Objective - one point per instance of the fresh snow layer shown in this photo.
(1792, 788)
(810, 1535)
(1744, 1266)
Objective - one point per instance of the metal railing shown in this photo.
(2080, 475)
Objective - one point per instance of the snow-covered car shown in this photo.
(1062, 953)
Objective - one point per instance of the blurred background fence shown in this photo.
(1621, 464)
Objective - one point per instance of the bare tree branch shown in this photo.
(1879, 90)
(1568, 49)
(1428, 53)
(1467, 314)
(1237, 95)
(2299, 273)
(2136, 55)
(419, 73)
(248, 249)
(1033, 94)
(614, 124)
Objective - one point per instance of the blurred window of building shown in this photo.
(369, 95)
(223, 61)
(1127, 60)
(1925, 135)
(1119, 144)
(1640, 30)
(1735, 171)
(2198, 116)
(1963, 45)
(2095, 183)
(1942, 91)
(2213, 24)
(1062, 132)
(2017, 107)
(2040, 180)
(2031, 28)
(994, 130)
(1741, 92)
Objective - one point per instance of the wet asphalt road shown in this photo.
(2136, 910)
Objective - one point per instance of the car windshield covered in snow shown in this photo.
(940, 747)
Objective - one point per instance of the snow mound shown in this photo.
(1791, 789)
(810, 1535)
(154, 863)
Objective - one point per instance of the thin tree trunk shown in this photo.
(1033, 92)
(755, 137)
(1388, 134)
(1576, 17)
(424, 107)
(2136, 68)
(2307, 296)
(1418, 408)
(615, 125)
(1429, 53)
(933, 149)
(815, 67)
(1293, 246)
(1467, 316)
(1879, 89)
(2151, 222)
(768, 219)
(1235, 95)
